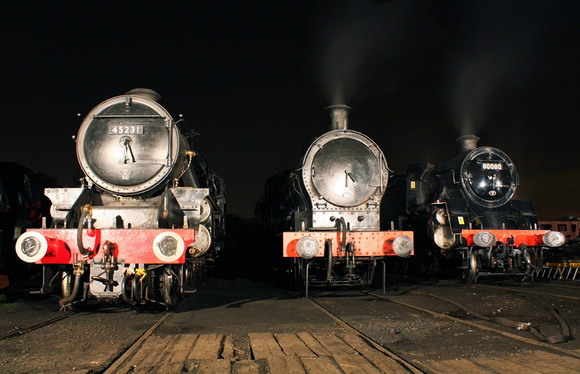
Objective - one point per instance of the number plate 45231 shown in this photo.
(126, 129)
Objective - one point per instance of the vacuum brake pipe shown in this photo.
(86, 210)
(78, 281)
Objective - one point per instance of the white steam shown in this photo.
(495, 58)
(361, 40)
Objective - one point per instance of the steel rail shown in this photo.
(477, 325)
(515, 289)
(38, 326)
(133, 348)
(406, 365)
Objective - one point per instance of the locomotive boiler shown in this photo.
(464, 214)
(149, 214)
(327, 211)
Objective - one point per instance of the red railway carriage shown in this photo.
(569, 226)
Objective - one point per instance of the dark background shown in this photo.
(253, 77)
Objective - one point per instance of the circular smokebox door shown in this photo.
(489, 177)
(342, 170)
(126, 143)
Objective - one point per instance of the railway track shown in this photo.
(480, 326)
(437, 310)
(533, 292)
(239, 327)
(38, 338)
(37, 326)
(133, 348)
(303, 352)
(354, 350)
(50, 322)
(405, 365)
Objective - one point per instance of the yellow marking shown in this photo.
(141, 273)
(563, 264)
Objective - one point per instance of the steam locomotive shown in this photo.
(21, 207)
(464, 215)
(327, 210)
(149, 214)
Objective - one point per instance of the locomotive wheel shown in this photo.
(171, 294)
(191, 275)
(136, 290)
(423, 264)
(127, 288)
(469, 274)
(397, 265)
(534, 263)
(297, 278)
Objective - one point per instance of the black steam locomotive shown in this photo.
(464, 215)
(327, 211)
(21, 207)
(149, 215)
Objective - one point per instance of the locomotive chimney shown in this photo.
(338, 116)
(145, 92)
(467, 143)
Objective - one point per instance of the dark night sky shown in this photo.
(253, 77)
